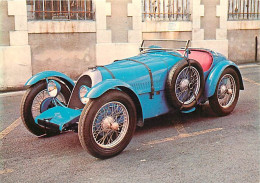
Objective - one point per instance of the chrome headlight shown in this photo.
(83, 91)
(53, 88)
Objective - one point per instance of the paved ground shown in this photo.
(197, 147)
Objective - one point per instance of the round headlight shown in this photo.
(53, 88)
(83, 94)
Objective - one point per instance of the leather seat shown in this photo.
(203, 57)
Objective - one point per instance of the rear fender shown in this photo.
(43, 75)
(214, 75)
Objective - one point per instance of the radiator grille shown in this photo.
(75, 102)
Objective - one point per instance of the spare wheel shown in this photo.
(185, 84)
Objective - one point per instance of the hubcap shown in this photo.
(46, 104)
(184, 84)
(108, 124)
(230, 91)
(223, 90)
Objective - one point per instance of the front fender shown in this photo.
(214, 75)
(106, 85)
(42, 75)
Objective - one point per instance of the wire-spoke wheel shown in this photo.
(184, 84)
(35, 101)
(187, 85)
(110, 124)
(226, 94)
(107, 124)
(226, 91)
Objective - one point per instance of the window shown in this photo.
(243, 9)
(60, 10)
(166, 10)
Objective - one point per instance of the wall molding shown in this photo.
(61, 26)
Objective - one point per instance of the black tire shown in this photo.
(27, 102)
(215, 102)
(173, 81)
(87, 119)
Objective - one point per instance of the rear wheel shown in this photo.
(107, 124)
(37, 100)
(226, 94)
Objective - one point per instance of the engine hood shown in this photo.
(136, 73)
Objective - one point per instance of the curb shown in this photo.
(13, 93)
(248, 65)
(13, 89)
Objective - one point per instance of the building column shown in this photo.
(219, 43)
(134, 11)
(103, 9)
(197, 13)
(108, 48)
(221, 11)
(15, 67)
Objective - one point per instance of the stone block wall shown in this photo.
(29, 47)
(70, 53)
(15, 53)
(6, 24)
(242, 45)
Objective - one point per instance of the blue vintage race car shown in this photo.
(107, 102)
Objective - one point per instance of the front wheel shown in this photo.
(226, 94)
(37, 100)
(107, 124)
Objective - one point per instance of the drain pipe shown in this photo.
(256, 46)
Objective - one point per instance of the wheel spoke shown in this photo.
(110, 140)
(98, 131)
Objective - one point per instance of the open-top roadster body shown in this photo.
(107, 102)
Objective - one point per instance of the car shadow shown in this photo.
(202, 112)
(67, 143)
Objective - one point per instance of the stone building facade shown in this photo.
(71, 35)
